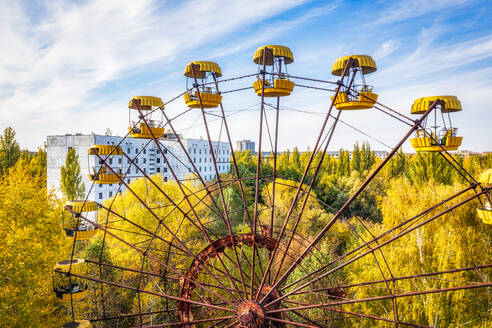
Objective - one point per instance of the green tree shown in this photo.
(71, 180)
(9, 149)
(355, 163)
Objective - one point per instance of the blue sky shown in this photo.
(72, 66)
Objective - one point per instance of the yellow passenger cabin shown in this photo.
(354, 94)
(437, 133)
(105, 156)
(148, 122)
(66, 286)
(74, 226)
(277, 83)
(202, 93)
(485, 212)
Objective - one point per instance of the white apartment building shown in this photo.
(245, 144)
(143, 152)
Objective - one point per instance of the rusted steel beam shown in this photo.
(257, 178)
(367, 316)
(149, 292)
(378, 298)
(186, 323)
(422, 275)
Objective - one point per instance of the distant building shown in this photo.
(465, 153)
(377, 153)
(149, 159)
(332, 153)
(243, 145)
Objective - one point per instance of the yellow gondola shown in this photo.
(78, 324)
(100, 174)
(355, 96)
(429, 138)
(66, 286)
(150, 107)
(485, 212)
(277, 83)
(73, 225)
(204, 70)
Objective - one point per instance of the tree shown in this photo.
(37, 166)
(32, 242)
(355, 163)
(9, 149)
(457, 239)
(71, 180)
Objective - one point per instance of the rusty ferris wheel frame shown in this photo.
(245, 280)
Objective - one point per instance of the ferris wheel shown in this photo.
(198, 261)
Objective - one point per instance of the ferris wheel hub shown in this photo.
(250, 314)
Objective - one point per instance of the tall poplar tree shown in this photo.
(71, 180)
(9, 149)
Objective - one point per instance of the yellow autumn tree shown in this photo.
(313, 217)
(456, 240)
(32, 242)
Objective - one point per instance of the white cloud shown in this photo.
(52, 68)
(269, 31)
(405, 9)
(387, 48)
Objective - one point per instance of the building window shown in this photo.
(100, 195)
(136, 150)
(110, 193)
(128, 181)
(165, 169)
(194, 160)
(136, 171)
(69, 148)
(110, 161)
(128, 161)
(110, 185)
(165, 151)
(199, 160)
(119, 160)
(158, 160)
(158, 170)
(145, 151)
(145, 160)
(145, 170)
(194, 151)
(165, 179)
(128, 150)
(199, 151)
(136, 160)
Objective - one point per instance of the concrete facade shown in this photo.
(145, 154)
(243, 145)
